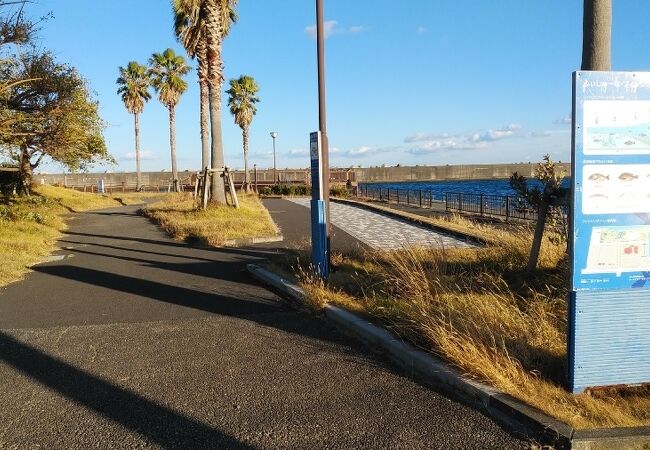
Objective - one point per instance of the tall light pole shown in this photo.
(274, 135)
(322, 116)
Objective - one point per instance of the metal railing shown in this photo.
(422, 198)
(509, 207)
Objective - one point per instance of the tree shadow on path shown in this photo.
(154, 422)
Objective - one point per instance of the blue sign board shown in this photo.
(609, 323)
(319, 256)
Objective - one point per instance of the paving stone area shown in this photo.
(382, 232)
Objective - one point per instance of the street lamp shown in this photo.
(274, 135)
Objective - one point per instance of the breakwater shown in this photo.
(338, 175)
(448, 172)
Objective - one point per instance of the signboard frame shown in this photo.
(609, 245)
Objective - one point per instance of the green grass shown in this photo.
(29, 227)
(215, 225)
(478, 309)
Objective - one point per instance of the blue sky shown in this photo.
(418, 82)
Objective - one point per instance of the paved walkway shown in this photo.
(383, 232)
(134, 340)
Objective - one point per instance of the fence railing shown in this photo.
(507, 207)
(414, 197)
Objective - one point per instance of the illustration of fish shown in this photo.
(598, 177)
(627, 176)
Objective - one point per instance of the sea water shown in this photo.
(438, 188)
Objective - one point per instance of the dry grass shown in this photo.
(82, 201)
(29, 227)
(178, 215)
(478, 309)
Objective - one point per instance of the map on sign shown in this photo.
(616, 127)
(619, 249)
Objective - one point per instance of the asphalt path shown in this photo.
(134, 340)
(294, 221)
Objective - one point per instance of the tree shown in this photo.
(190, 32)
(14, 27)
(597, 35)
(208, 22)
(167, 71)
(552, 195)
(15, 30)
(50, 114)
(242, 100)
(134, 82)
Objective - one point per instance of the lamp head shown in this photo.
(274, 134)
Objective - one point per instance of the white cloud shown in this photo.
(566, 120)
(422, 30)
(356, 29)
(261, 154)
(145, 155)
(539, 134)
(331, 28)
(469, 141)
(500, 133)
(298, 153)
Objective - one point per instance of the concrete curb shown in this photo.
(251, 241)
(514, 414)
(411, 218)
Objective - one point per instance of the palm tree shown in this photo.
(597, 35)
(201, 26)
(242, 102)
(134, 85)
(167, 71)
(191, 34)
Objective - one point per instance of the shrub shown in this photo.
(339, 191)
(286, 189)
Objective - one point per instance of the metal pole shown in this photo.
(322, 115)
(275, 173)
(255, 172)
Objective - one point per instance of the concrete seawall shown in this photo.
(369, 174)
(449, 172)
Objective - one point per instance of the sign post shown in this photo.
(319, 247)
(609, 305)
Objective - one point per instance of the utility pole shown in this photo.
(597, 35)
(274, 136)
(322, 116)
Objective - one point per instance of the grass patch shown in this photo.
(29, 227)
(178, 215)
(478, 309)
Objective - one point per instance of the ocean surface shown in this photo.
(438, 188)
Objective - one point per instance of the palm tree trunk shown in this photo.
(247, 180)
(205, 123)
(218, 187)
(172, 144)
(204, 89)
(138, 173)
(214, 36)
(597, 35)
